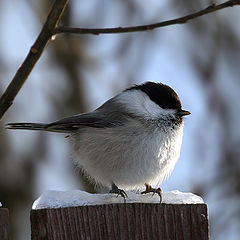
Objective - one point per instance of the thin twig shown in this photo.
(181, 20)
(50, 28)
(34, 54)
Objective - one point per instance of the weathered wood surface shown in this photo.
(122, 221)
(4, 224)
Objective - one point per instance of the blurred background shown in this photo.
(77, 73)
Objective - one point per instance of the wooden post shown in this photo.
(4, 224)
(130, 221)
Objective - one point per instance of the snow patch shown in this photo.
(60, 199)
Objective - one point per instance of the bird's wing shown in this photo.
(91, 119)
(106, 116)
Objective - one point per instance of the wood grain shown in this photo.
(122, 221)
(4, 224)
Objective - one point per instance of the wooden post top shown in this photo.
(4, 224)
(120, 221)
(140, 221)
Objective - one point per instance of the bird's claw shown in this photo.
(118, 191)
(149, 189)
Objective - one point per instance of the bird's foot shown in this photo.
(149, 189)
(118, 191)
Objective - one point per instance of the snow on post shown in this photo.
(81, 215)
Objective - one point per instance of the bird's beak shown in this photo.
(182, 113)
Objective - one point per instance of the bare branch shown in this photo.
(181, 20)
(50, 28)
(34, 54)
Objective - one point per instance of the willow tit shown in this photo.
(132, 139)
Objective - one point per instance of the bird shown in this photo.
(133, 139)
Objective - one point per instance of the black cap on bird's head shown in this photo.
(163, 95)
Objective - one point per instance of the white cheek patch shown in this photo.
(140, 104)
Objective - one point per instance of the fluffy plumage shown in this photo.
(132, 139)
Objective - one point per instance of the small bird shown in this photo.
(133, 139)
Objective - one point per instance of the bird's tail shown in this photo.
(27, 126)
